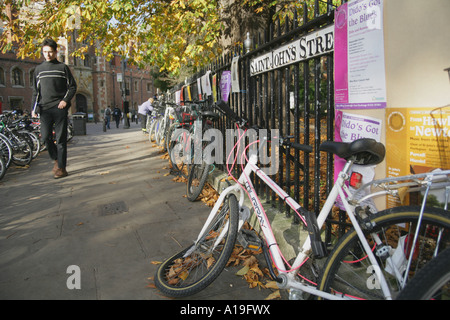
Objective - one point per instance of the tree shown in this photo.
(172, 35)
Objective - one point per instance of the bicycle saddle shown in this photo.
(364, 151)
(210, 114)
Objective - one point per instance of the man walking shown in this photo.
(117, 115)
(108, 117)
(53, 89)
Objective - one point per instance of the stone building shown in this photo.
(100, 82)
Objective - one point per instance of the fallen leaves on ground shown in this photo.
(250, 270)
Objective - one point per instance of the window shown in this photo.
(31, 77)
(17, 77)
(135, 86)
(2, 77)
(87, 61)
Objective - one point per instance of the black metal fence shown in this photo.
(296, 99)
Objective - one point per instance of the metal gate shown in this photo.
(293, 93)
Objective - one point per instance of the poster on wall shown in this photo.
(235, 75)
(360, 81)
(206, 84)
(225, 85)
(418, 140)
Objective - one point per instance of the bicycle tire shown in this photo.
(161, 131)
(181, 276)
(348, 272)
(22, 151)
(6, 149)
(34, 142)
(198, 175)
(3, 167)
(152, 130)
(168, 140)
(180, 152)
(432, 282)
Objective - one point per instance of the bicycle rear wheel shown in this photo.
(432, 282)
(348, 271)
(197, 266)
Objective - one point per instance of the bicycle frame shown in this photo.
(244, 185)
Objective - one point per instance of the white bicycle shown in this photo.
(373, 260)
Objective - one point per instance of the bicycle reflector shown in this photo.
(356, 180)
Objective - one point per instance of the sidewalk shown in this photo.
(114, 215)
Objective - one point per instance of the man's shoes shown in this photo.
(60, 173)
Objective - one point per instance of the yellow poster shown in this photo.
(417, 141)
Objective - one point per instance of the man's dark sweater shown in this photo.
(53, 82)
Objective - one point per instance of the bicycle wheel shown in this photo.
(432, 282)
(196, 180)
(3, 167)
(168, 140)
(180, 150)
(197, 266)
(6, 149)
(160, 134)
(167, 133)
(22, 151)
(34, 142)
(151, 131)
(348, 271)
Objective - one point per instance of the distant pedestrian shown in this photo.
(53, 89)
(133, 115)
(117, 115)
(144, 110)
(108, 113)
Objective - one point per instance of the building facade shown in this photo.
(101, 83)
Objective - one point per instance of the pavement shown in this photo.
(106, 224)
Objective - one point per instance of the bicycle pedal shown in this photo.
(249, 240)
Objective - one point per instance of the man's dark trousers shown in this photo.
(57, 117)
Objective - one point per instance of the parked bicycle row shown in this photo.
(20, 140)
(178, 129)
(377, 258)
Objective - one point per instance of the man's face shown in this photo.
(49, 53)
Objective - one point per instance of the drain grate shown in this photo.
(112, 208)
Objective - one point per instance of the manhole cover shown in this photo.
(112, 208)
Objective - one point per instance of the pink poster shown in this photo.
(359, 55)
(340, 55)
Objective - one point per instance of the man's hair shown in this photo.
(51, 43)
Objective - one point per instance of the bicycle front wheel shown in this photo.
(348, 271)
(196, 180)
(2, 167)
(5, 149)
(197, 266)
(22, 150)
(180, 151)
